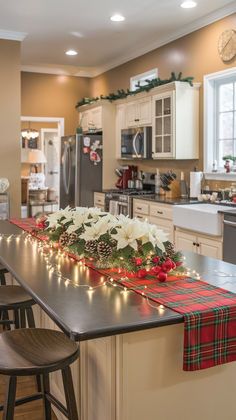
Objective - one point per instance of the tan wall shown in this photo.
(195, 55)
(48, 95)
(10, 119)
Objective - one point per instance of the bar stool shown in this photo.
(14, 298)
(28, 352)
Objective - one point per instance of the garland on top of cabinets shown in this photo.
(122, 94)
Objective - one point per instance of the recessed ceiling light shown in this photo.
(188, 4)
(117, 18)
(71, 52)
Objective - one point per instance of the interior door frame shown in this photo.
(60, 122)
(60, 126)
(56, 131)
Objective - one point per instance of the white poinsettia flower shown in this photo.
(53, 219)
(96, 230)
(128, 234)
(155, 236)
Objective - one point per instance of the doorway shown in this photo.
(50, 130)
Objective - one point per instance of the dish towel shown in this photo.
(114, 207)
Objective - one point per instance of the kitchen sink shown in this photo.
(204, 218)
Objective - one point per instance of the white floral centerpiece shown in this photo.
(112, 241)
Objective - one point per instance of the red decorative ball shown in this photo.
(138, 261)
(167, 265)
(156, 269)
(162, 276)
(156, 260)
(178, 263)
(173, 265)
(141, 273)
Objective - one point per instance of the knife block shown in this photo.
(174, 190)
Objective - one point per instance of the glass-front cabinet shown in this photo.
(163, 125)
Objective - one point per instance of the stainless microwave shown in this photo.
(136, 143)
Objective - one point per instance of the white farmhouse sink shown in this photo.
(202, 218)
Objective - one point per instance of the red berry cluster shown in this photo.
(160, 268)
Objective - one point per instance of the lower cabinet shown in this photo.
(156, 213)
(99, 200)
(208, 246)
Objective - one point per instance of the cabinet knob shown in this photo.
(194, 244)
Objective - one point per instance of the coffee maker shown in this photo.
(126, 173)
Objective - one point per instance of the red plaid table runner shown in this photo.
(209, 313)
(209, 318)
(26, 224)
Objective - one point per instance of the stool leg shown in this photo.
(30, 317)
(22, 318)
(9, 405)
(46, 390)
(2, 279)
(31, 324)
(16, 319)
(69, 394)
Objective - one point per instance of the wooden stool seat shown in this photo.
(28, 351)
(31, 351)
(10, 296)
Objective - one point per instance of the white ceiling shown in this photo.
(54, 26)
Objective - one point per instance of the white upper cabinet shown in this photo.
(139, 112)
(91, 119)
(120, 125)
(176, 122)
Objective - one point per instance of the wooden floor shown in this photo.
(30, 411)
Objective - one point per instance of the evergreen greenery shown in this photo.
(122, 93)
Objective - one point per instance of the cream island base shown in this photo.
(139, 376)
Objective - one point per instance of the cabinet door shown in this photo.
(163, 125)
(96, 117)
(131, 114)
(144, 112)
(165, 225)
(84, 120)
(120, 125)
(185, 241)
(209, 247)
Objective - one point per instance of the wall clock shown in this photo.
(227, 45)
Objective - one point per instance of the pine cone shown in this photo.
(64, 238)
(73, 237)
(91, 247)
(104, 250)
(169, 249)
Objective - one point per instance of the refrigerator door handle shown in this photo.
(67, 168)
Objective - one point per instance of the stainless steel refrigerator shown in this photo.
(80, 169)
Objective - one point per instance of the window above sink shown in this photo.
(219, 122)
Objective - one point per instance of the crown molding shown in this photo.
(185, 30)
(12, 35)
(57, 71)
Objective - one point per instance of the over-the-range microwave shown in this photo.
(136, 143)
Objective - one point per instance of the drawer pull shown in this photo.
(139, 208)
(159, 212)
(139, 217)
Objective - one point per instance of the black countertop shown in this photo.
(162, 199)
(106, 311)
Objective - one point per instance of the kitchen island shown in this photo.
(129, 367)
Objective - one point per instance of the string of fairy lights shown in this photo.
(50, 253)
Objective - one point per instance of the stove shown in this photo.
(121, 201)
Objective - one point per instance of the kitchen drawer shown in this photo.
(141, 217)
(161, 211)
(141, 207)
(164, 225)
(99, 199)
